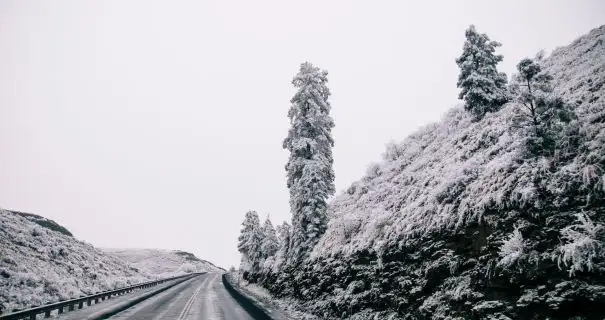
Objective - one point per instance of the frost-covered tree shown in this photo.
(483, 87)
(310, 176)
(250, 242)
(541, 110)
(283, 243)
(269, 244)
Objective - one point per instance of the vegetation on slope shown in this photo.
(39, 264)
(476, 216)
(46, 223)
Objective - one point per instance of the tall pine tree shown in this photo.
(309, 168)
(483, 87)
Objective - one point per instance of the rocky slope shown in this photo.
(164, 263)
(41, 262)
(458, 222)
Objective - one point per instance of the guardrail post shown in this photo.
(89, 302)
(47, 314)
(60, 309)
(32, 317)
(81, 305)
(72, 307)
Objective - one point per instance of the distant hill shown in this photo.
(164, 262)
(41, 262)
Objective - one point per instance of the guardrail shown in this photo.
(70, 305)
(255, 311)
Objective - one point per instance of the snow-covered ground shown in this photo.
(163, 263)
(40, 262)
(286, 308)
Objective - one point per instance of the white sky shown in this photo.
(159, 124)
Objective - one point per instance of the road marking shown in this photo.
(189, 303)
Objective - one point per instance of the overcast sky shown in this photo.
(158, 124)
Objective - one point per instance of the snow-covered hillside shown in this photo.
(41, 262)
(451, 172)
(457, 221)
(164, 263)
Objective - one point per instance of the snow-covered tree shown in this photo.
(483, 87)
(541, 110)
(250, 241)
(283, 242)
(309, 168)
(269, 244)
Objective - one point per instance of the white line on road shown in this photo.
(190, 303)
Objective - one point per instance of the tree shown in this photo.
(483, 87)
(542, 111)
(310, 176)
(249, 242)
(283, 243)
(269, 244)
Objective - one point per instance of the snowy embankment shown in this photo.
(41, 262)
(283, 309)
(458, 221)
(164, 263)
(454, 172)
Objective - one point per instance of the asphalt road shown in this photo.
(201, 298)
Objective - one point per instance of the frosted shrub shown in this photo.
(583, 243)
(589, 174)
(188, 268)
(393, 151)
(512, 249)
(373, 171)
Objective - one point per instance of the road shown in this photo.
(201, 298)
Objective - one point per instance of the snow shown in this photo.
(282, 309)
(41, 264)
(463, 220)
(584, 241)
(310, 176)
(448, 173)
(512, 249)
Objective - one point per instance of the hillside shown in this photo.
(164, 262)
(451, 172)
(458, 222)
(46, 223)
(41, 262)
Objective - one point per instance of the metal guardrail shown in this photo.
(70, 305)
